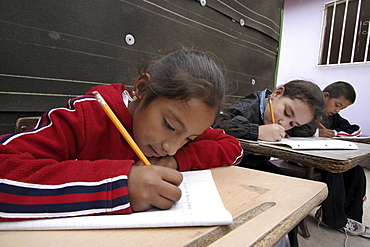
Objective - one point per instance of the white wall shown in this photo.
(300, 44)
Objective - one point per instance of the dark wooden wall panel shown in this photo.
(54, 50)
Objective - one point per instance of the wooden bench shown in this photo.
(25, 123)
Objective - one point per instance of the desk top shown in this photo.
(362, 138)
(335, 161)
(264, 206)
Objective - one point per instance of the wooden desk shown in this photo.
(363, 139)
(264, 206)
(335, 161)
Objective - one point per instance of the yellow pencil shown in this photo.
(271, 111)
(322, 126)
(120, 127)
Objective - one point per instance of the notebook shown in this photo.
(200, 205)
(310, 143)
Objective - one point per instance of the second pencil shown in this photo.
(271, 111)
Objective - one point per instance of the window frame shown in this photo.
(326, 43)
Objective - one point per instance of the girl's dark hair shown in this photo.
(309, 93)
(185, 74)
(339, 89)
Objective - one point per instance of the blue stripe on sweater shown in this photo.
(63, 207)
(75, 189)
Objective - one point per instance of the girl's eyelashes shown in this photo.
(286, 113)
(294, 124)
(168, 126)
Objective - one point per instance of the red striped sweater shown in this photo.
(67, 165)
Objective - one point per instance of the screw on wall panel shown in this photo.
(241, 22)
(130, 40)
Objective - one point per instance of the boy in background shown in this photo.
(338, 96)
(343, 208)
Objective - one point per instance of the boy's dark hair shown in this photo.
(185, 74)
(341, 89)
(309, 93)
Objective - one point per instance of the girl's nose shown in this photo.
(283, 123)
(171, 146)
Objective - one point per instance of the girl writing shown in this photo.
(75, 161)
(294, 104)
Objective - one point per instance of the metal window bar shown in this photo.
(342, 34)
(331, 33)
(322, 38)
(334, 5)
(355, 32)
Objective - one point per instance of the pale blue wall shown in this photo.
(300, 44)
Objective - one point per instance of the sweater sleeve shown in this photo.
(243, 118)
(305, 130)
(43, 175)
(344, 127)
(213, 148)
(240, 127)
(33, 188)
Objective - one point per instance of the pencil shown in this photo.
(120, 127)
(271, 111)
(322, 126)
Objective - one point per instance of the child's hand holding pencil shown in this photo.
(153, 186)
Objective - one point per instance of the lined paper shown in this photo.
(200, 205)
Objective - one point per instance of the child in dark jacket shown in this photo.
(343, 208)
(296, 103)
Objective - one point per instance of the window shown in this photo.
(345, 33)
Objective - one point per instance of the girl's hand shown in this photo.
(326, 133)
(271, 132)
(153, 186)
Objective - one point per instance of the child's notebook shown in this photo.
(200, 205)
(310, 143)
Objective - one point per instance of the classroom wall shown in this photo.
(299, 53)
(54, 50)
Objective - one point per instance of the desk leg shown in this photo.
(304, 229)
(310, 172)
(303, 224)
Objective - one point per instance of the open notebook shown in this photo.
(311, 143)
(200, 205)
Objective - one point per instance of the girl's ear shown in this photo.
(140, 85)
(277, 92)
(326, 95)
